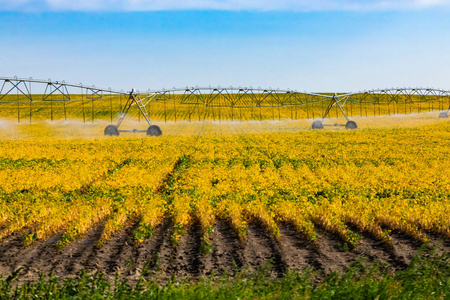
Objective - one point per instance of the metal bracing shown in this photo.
(135, 99)
(340, 102)
(57, 88)
(19, 86)
(185, 102)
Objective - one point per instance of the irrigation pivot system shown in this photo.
(31, 99)
(152, 130)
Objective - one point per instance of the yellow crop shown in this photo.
(370, 180)
(218, 108)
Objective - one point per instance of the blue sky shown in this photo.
(303, 45)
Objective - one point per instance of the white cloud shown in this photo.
(262, 5)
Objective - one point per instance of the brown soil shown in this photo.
(158, 257)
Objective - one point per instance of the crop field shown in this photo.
(108, 108)
(207, 199)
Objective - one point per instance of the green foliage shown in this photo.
(29, 239)
(176, 232)
(68, 236)
(353, 238)
(205, 245)
(143, 232)
(242, 231)
(181, 164)
(427, 277)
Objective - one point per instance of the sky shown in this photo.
(314, 46)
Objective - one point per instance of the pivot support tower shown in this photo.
(134, 99)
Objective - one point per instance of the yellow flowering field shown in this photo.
(371, 180)
(179, 109)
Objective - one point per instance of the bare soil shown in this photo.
(158, 257)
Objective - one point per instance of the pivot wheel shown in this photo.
(154, 130)
(112, 130)
(351, 125)
(317, 124)
(443, 115)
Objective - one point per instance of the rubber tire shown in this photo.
(317, 124)
(154, 130)
(112, 130)
(351, 125)
(443, 115)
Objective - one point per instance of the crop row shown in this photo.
(345, 182)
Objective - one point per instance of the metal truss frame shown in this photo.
(217, 97)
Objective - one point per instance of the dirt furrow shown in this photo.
(38, 257)
(260, 248)
(187, 256)
(116, 254)
(373, 250)
(78, 255)
(404, 248)
(157, 253)
(439, 242)
(10, 247)
(297, 252)
(334, 255)
(163, 259)
(226, 252)
(147, 252)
